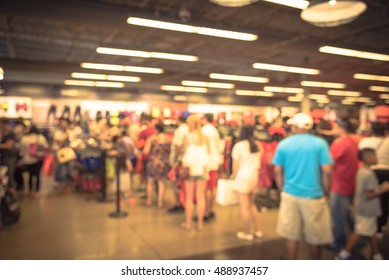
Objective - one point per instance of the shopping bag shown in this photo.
(48, 165)
(225, 194)
(38, 151)
(66, 155)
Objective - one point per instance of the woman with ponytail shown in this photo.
(246, 163)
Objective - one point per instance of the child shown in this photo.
(367, 206)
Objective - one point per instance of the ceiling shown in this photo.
(42, 42)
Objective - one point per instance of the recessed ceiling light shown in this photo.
(239, 78)
(207, 84)
(254, 93)
(133, 53)
(191, 29)
(322, 84)
(283, 68)
(354, 53)
(93, 84)
(113, 67)
(184, 89)
(371, 77)
(344, 93)
(283, 89)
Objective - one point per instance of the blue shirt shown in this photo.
(301, 157)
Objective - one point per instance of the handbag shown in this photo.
(66, 155)
(37, 150)
(225, 192)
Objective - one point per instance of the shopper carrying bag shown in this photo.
(226, 195)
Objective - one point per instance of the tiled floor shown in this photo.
(74, 226)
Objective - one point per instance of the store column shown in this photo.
(305, 104)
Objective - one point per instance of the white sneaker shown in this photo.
(258, 234)
(243, 236)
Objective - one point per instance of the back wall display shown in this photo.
(15, 107)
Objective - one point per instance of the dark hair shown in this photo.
(208, 117)
(247, 133)
(182, 118)
(4, 121)
(346, 125)
(145, 117)
(378, 128)
(64, 119)
(33, 130)
(362, 153)
(160, 127)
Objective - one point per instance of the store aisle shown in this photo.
(77, 227)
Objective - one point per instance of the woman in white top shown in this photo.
(33, 163)
(196, 160)
(245, 171)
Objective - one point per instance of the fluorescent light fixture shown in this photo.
(207, 84)
(191, 29)
(93, 84)
(346, 102)
(283, 89)
(1, 73)
(384, 96)
(370, 77)
(378, 88)
(354, 53)
(184, 89)
(298, 4)
(91, 76)
(254, 93)
(239, 78)
(344, 93)
(180, 98)
(317, 96)
(233, 3)
(358, 99)
(322, 101)
(145, 54)
(322, 84)
(294, 99)
(69, 92)
(113, 67)
(283, 68)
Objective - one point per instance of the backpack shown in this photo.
(9, 208)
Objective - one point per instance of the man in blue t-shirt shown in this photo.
(302, 172)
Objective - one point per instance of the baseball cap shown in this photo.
(301, 120)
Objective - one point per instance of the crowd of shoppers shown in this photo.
(332, 182)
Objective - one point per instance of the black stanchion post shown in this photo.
(118, 213)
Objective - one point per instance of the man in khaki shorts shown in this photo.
(302, 171)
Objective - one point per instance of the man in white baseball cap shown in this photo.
(302, 172)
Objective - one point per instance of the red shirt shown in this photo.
(344, 151)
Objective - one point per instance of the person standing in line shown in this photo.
(61, 140)
(367, 206)
(8, 151)
(33, 164)
(246, 163)
(344, 151)
(146, 131)
(196, 161)
(157, 149)
(303, 172)
(213, 136)
(380, 143)
(175, 153)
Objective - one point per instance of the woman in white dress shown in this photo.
(246, 163)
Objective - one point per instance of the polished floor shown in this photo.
(76, 227)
